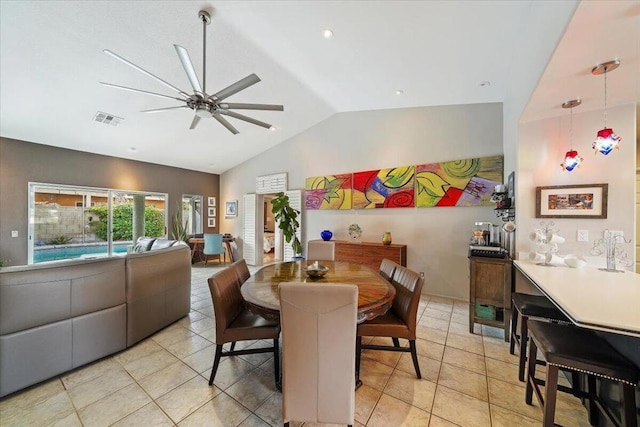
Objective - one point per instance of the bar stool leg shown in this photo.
(524, 338)
(629, 418)
(531, 372)
(593, 408)
(550, 392)
(513, 329)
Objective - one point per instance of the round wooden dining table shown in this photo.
(375, 294)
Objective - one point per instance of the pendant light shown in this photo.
(571, 159)
(606, 140)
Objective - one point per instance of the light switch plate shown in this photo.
(583, 235)
(14, 233)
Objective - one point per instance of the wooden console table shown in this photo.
(370, 253)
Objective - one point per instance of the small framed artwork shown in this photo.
(211, 201)
(231, 208)
(572, 201)
(211, 222)
(211, 211)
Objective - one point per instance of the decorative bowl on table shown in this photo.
(316, 271)
(574, 261)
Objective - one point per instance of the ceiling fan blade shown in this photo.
(245, 118)
(160, 110)
(236, 106)
(141, 91)
(142, 70)
(251, 79)
(194, 123)
(225, 123)
(188, 68)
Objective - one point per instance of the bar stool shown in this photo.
(527, 307)
(582, 351)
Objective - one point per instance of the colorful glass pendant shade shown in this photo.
(606, 139)
(571, 160)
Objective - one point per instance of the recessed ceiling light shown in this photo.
(211, 165)
(273, 128)
(327, 34)
(399, 92)
(132, 148)
(485, 83)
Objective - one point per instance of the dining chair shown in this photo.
(241, 270)
(399, 321)
(321, 250)
(318, 352)
(213, 247)
(387, 267)
(234, 322)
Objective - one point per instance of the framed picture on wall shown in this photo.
(231, 208)
(211, 211)
(211, 223)
(572, 201)
(211, 201)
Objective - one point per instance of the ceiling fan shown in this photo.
(200, 102)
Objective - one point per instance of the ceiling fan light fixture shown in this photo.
(606, 139)
(202, 104)
(203, 113)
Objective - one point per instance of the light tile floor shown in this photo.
(468, 380)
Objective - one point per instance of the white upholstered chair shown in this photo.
(321, 250)
(318, 352)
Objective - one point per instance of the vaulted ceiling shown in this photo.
(383, 54)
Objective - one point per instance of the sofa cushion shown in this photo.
(143, 244)
(163, 244)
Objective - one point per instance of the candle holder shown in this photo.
(609, 244)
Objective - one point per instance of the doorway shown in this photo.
(269, 232)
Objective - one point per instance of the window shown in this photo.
(67, 222)
(192, 213)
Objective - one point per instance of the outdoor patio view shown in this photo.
(74, 222)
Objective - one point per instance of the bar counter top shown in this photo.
(590, 297)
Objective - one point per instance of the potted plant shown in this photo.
(287, 219)
(179, 230)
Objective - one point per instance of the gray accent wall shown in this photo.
(437, 239)
(23, 162)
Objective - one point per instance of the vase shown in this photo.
(326, 235)
(386, 238)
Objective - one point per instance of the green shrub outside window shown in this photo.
(122, 222)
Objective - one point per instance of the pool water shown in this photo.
(54, 253)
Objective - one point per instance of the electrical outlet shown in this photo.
(583, 236)
(14, 233)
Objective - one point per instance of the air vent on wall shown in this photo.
(267, 184)
(107, 119)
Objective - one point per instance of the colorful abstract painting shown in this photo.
(328, 192)
(384, 188)
(468, 182)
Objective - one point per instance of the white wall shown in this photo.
(541, 148)
(437, 238)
